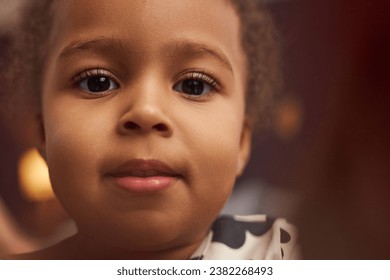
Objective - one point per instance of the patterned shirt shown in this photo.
(249, 237)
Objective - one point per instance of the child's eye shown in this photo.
(192, 87)
(98, 84)
(95, 82)
(196, 84)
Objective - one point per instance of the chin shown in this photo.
(141, 232)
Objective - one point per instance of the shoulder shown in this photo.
(252, 237)
(44, 254)
(64, 250)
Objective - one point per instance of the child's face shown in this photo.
(126, 82)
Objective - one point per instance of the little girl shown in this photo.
(144, 113)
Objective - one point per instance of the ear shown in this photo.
(245, 145)
(40, 139)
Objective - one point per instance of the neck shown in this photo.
(83, 247)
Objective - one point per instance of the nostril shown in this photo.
(160, 127)
(134, 126)
(131, 125)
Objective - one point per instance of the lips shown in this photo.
(143, 176)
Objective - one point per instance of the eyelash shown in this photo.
(80, 76)
(202, 76)
(192, 74)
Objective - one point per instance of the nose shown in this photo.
(145, 115)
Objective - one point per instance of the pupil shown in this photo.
(96, 84)
(193, 87)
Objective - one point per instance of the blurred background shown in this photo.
(323, 164)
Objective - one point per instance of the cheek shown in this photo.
(74, 146)
(216, 161)
(214, 144)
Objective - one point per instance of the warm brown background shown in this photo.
(328, 149)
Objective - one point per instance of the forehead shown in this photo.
(148, 25)
(145, 14)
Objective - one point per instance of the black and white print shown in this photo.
(249, 237)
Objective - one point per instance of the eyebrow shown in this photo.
(76, 47)
(181, 45)
(188, 46)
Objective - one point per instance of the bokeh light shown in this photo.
(34, 177)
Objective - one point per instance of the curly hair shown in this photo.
(21, 72)
(261, 44)
(23, 58)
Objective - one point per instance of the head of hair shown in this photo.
(21, 72)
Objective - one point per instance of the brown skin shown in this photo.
(146, 48)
